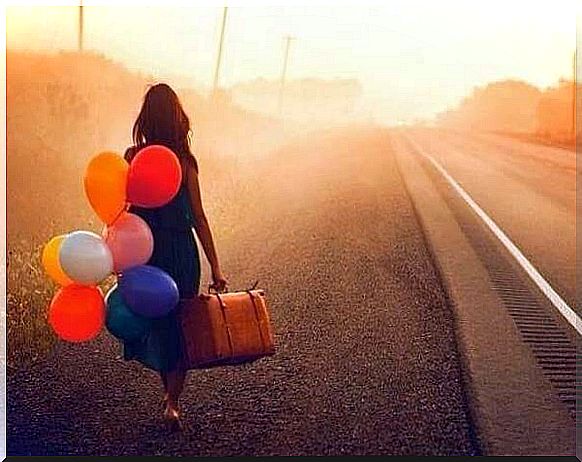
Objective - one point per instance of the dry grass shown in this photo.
(61, 110)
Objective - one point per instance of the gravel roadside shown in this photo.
(366, 360)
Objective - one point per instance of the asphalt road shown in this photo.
(528, 190)
(519, 352)
(367, 361)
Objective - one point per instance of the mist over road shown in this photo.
(367, 360)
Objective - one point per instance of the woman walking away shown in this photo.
(163, 121)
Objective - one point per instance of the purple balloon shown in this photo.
(148, 291)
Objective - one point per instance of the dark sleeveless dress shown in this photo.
(175, 252)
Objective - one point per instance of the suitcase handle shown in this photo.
(213, 291)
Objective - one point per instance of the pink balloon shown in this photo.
(130, 240)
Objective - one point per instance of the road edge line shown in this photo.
(546, 288)
(513, 406)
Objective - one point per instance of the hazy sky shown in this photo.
(412, 57)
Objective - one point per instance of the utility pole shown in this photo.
(219, 57)
(288, 40)
(81, 27)
(574, 96)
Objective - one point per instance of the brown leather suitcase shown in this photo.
(225, 329)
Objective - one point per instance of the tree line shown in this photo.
(517, 107)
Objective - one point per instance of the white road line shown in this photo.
(532, 272)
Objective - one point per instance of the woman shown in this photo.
(163, 121)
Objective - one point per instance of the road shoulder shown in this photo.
(511, 401)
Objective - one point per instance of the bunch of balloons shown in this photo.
(80, 260)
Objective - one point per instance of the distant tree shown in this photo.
(505, 106)
(554, 112)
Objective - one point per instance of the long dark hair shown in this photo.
(162, 120)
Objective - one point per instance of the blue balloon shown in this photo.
(148, 291)
(121, 322)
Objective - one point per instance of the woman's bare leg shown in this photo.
(175, 385)
(164, 378)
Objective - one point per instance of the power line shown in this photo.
(219, 57)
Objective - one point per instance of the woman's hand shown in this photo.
(219, 283)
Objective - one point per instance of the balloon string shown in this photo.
(123, 210)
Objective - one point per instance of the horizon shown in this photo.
(437, 67)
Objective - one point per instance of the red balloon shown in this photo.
(77, 313)
(154, 177)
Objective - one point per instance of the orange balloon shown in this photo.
(77, 313)
(50, 261)
(106, 184)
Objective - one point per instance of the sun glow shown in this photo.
(413, 58)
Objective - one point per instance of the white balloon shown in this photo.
(85, 257)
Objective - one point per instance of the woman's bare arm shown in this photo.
(201, 225)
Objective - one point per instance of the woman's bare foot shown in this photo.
(172, 419)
